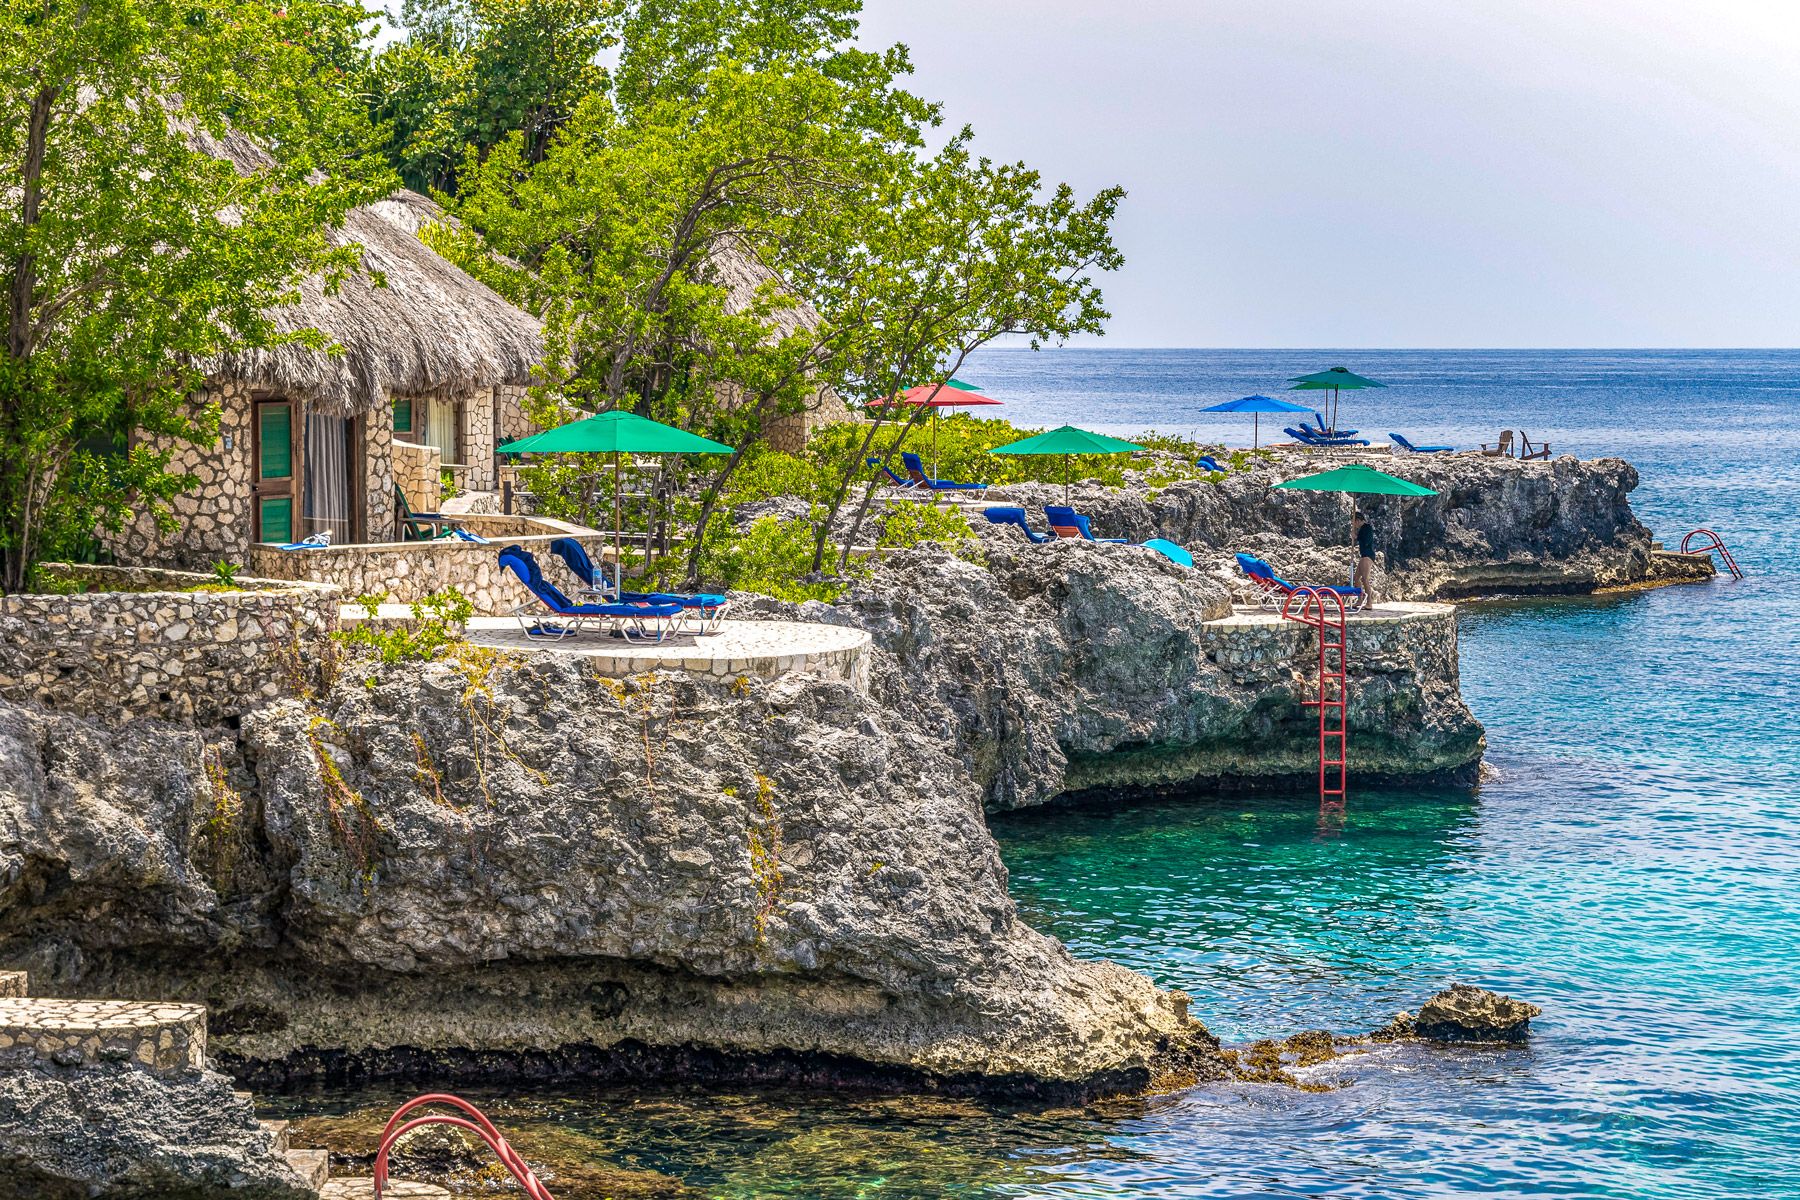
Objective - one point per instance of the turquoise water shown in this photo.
(1632, 866)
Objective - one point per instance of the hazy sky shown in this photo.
(1404, 172)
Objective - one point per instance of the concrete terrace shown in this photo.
(768, 649)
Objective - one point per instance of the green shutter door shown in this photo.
(273, 487)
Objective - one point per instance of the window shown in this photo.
(403, 414)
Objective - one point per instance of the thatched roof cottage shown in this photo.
(430, 371)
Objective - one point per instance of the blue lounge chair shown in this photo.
(1319, 427)
(703, 609)
(1066, 522)
(1309, 437)
(915, 467)
(892, 478)
(1208, 462)
(633, 622)
(1272, 591)
(1003, 515)
(1412, 449)
(1169, 550)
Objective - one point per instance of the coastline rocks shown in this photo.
(1464, 1013)
(447, 867)
(85, 1134)
(1497, 525)
(1071, 667)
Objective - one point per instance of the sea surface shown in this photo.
(1632, 865)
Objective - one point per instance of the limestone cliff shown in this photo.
(486, 864)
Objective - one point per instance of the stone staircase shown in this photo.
(163, 1039)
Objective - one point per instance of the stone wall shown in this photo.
(410, 571)
(176, 654)
(478, 441)
(164, 1039)
(417, 470)
(377, 431)
(214, 514)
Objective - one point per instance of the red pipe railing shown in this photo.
(472, 1121)
(1713, 542)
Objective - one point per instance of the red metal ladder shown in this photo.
(472, 1121)
(1323, 610)
(1713, 542)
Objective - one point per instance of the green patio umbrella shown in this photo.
(1068, 441)
(1334, 379)
(615, 433)
(1360, 478)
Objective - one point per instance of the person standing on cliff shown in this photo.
(1365, 557)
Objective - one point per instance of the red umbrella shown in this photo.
(952, 393)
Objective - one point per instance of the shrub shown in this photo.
(437, 622)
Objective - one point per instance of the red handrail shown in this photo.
(473, 1121)
(1713, 542)
(1333, 683)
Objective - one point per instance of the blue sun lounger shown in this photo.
(915, 466)
(1412, 449)
(1066, 522)
(892, 478)
(1272, 591)
(1005, 515)
(1319, 427)
(1310, 437)
(703, 609)
(633, 622)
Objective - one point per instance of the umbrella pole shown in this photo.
(1255, 430)
(618, 528)
(1067, 470)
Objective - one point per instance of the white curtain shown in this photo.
(440, 427)
(325, 489)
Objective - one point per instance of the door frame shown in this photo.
(274, 489)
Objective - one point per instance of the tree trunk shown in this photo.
(19, 481)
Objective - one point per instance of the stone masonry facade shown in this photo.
(176, 654)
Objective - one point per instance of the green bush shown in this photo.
(437, 622)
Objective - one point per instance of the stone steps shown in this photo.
(280, 1130)
(313, 1167)
(395, 1189)
(163, 1038)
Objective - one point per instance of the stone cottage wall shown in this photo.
(214, 514)
(173, 653)
(418, 471)
(478, 442)
(378, 476)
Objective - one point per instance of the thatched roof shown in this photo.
(736, 267)
(432, 326)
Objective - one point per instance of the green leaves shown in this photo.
(151, 232)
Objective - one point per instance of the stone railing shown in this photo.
(142, 643)
(407, 572)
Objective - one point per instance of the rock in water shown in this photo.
(1464, 1013)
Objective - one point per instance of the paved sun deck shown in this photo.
(1388, 610)
(765, 648)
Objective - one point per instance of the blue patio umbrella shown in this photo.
(1256, 405)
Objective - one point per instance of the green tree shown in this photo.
(131, 255)
(955, 253)
(469, 73)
